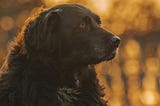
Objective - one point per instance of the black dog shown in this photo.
(50, 62)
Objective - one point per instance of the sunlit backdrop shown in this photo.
(133, 77)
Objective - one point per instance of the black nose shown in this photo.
(115, 41)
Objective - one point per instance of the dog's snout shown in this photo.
(115, 41)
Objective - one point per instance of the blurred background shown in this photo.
(133, 77)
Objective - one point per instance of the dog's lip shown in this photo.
(111, 55)
(107, 57)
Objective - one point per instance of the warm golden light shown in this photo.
(2, 54)
(115, 102)
(132, 78)
(6, 23)
(132, 49)
(149, 82)
(133, 94)
(149, 98)
(131, 67)
(152, 64)
(117, 27)
(21, 18)
(50, 3)
(100, 6)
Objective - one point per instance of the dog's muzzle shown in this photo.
(115, 41)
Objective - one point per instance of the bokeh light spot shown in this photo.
(149, 98)
(6, 23)
(152, 64)
(132, 49)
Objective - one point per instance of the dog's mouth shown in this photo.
(111, 55)
(107, 57)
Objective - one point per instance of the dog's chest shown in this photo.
(67, 96)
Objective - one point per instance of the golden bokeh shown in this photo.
(50, 3)
(152, 65)
(132, 67)
(132, 49)
(150, 98)
(6, 23)
(21, 18)
(99, 7)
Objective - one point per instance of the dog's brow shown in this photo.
(58, 10)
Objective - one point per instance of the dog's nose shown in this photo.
(115, 41)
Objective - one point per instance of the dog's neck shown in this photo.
(67, 73)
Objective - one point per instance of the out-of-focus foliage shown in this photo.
(133, 77)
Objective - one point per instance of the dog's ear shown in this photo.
(52, 19)
(40, 32)
(50, 29)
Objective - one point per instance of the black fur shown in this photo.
(51, 61)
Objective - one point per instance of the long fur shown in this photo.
(33, 74)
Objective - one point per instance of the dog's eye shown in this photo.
(82, 25)
(85, 25)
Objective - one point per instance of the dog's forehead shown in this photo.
(72, 14)
(73, 10)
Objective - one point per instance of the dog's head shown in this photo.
(71, 33)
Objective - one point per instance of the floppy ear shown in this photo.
(40, 32)
(52, 19)
(50, 29)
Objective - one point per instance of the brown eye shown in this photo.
(82, 25)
